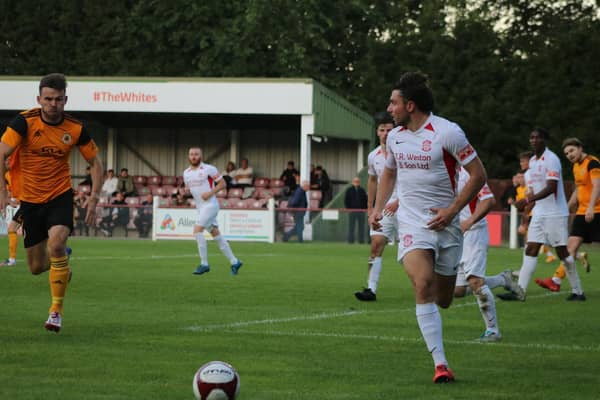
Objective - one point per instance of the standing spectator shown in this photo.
(288, 176)
(356, 198)
(298, 200)
(119, 216)
(143, 220)
(244, 175)
(125, 183)
(510, 194)
(81, 201)
(109, 187)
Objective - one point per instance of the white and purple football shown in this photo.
(216, 380)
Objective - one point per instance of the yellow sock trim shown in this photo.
(59, 279)
(12, 244)
(560, 271)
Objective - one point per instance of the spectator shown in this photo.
(244, 175)
(88, 177)
(119, 216)
(322, 183)
(356, 198)
(79, 213)
(510, 194)
(143, 220)
(125, 183)
(288, 176)
(298, 200)
(228, 174)
(109, 187)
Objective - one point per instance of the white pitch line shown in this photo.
(534, 346)
(273, 321)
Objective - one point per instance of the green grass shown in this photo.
(138, 324)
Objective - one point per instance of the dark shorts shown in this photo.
(18, 217)
(39, 218)
(590, 232)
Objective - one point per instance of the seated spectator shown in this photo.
(110, 184)
(125, 183)
(244, 175)
(88, 177)
(143, 220)
(179, 199)
(119, 216)
(228, 174)
(322, 183)
(79, 213)
(288, 177)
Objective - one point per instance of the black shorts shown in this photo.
(18, 217)
(590, 232)
(39, 218)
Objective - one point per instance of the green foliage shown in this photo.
(498, 67)
(138, 324)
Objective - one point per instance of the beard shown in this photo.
(195, 162)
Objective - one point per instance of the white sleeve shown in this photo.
(485, 193)
(214, 173)
(455, 141)
(371, 165)
(390, 161)
(553, 168)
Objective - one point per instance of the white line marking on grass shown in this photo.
(273, 321)
(158, 257)
(534, 346)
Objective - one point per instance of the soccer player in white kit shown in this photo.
(389, 224)
(471, 270)
(204, 181)
(550, 215)
(424, 153)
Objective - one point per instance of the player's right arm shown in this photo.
(371, 192)
(5, 151)
(572, 204)
(385, 188)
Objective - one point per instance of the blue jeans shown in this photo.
(298, 228)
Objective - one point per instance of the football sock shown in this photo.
(59, 279)
(430, 323)
(560, 272)
(527, 270)
(202, 250)
(573, 275)
(487, 306)
(374, 272)
(495, 281)
(12, 245)
(225, 249)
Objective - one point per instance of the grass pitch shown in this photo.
(138, 324)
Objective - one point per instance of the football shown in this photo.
(216, 380)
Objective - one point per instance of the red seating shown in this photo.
(140, 179)
(262, 193)
(168, 189)
(161, 191)
(255, 203)
(235, 193)
(226, 203)
(221, 194)
(155, 180)
(261, 182)
(169, 180)
(276, 183)
(313, 203)
(143, 190)
(239, 203)
(84, 188)
(164, 201)
(179, 181)
(315, 195)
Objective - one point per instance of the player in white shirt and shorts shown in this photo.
(389, 224)
(472, 268)
(424, 153)
(204, 181)
(550, 215)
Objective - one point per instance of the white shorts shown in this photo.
(446, 244)
(207, 216)
(389, 228)
(474, 255)
(551, 230)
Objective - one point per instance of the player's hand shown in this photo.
(465, 226)
(522, 229)
(443, 217)
(390, 209)
(375, 220)
(4, 201)
(589, 216)
(90, 215)
(521, 204)
(206, 195)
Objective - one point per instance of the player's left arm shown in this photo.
(594, 171)
(89, 151)
(221, 184)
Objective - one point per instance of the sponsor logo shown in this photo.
(407, 240)
(67, 138)
(466, 152)
(167, 223)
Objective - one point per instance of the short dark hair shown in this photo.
(54, 81)
(383, 118)
(124, 169)
(542, 131)
(572, 141)
(290, 163)
(413, 86)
